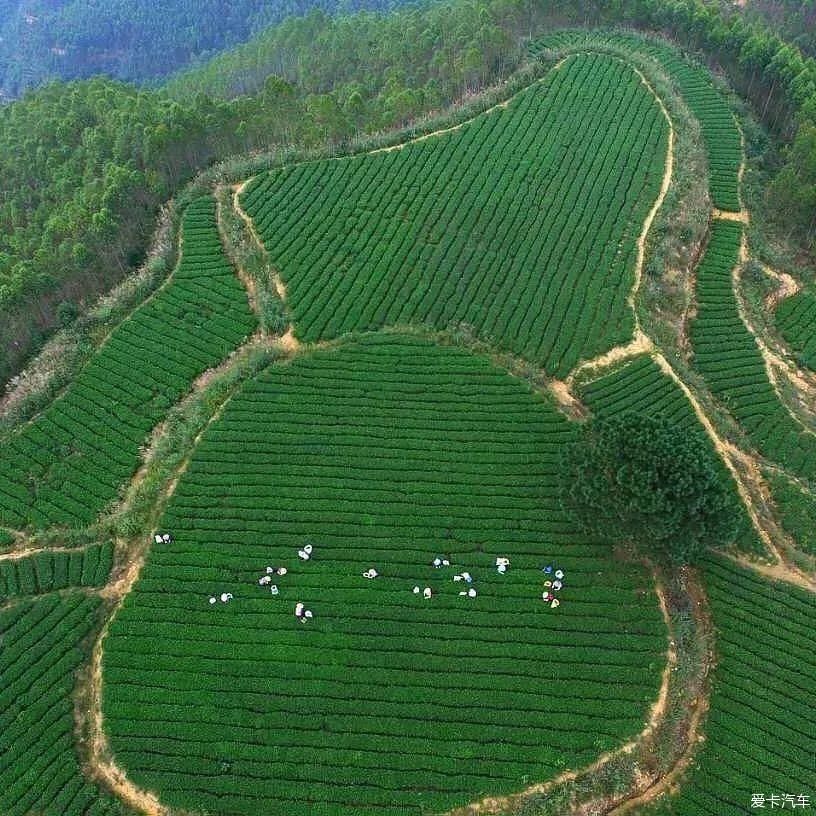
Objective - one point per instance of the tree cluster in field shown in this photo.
(649, 482)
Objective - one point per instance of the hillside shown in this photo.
(88, 197)
(86, 165)
(463, 467)
(128, 39)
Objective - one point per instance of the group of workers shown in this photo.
(553, 583)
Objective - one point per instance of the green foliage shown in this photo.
(127, 39)
(477, 226)
(48, 571)
(793, 191)
(796, 510)
(727, 355)
(796, 320)
(385, 451)
(719, 128)
(83, 170)
(40, 651)
(85, 165)
(639, 479)
(641, 387)
(244, 251)
(68, 463)
(372, 67)
(67, 312)
(793, 20)
(761, 722)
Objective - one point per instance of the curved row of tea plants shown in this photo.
(796, 509)
(40, 651)
(718, 126)
(761, 725)
(67, 464)
(384, 452)
(522, 223)
(49, 570)
(726, 353)
(796, 321)
(641, 386)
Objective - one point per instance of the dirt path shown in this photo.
(726, 215)
(102, 765)
(724, 449)
(692, 734)
(787, 286)
(779, 571)
(668, 173)
(277, 281)
(640, 342)
(288, 342)
(565, 398)
(774, 363)
(729, 453)
(17, 554)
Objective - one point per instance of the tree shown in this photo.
(793, 191)
(647, 482)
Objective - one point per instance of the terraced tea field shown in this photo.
(51, 570)
(69, 462)
(388, 451)
(719, 129)
(41, 649)
(728, 355)
(460, 303)
(761, 730)
(523, 223)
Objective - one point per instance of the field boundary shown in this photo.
(492, 806)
